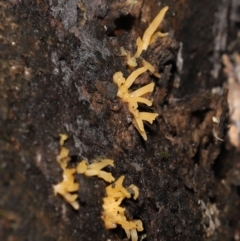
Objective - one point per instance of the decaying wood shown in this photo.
(56, 67)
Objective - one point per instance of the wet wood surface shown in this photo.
(56, 66)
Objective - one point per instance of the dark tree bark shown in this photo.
(56, 67)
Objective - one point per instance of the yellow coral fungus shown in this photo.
(151, 68)
(135, 97)
(94, 169)
(132, 98)
(134, 189)
(114, 215)
(68, 185)
(148, 38)
(63, 138)
(149, 33)
(131, 61)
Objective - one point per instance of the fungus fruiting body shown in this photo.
(149, 35)
(113, 214)
(95, 169)
(67, 187)
(137, 96)
(132, 98)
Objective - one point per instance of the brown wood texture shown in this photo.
(57, 59)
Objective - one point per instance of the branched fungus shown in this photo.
(114, 215)
(132, 98)
(67, 187)
(95, 169)
(135, 97)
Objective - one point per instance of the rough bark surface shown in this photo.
(56, 66)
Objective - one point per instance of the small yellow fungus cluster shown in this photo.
(94, 169)
(68, 185)
(68, 188)
(132, 98)
(150, 35)
(114, 215)
(135, 97)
